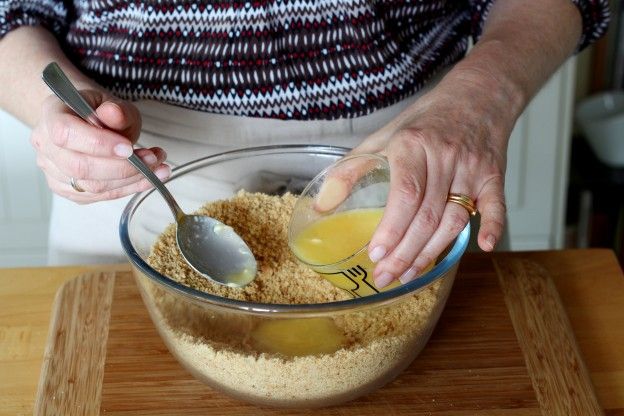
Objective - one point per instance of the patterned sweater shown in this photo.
(288, 59)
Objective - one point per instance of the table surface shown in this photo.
(590, 283)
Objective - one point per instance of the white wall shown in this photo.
(24, 198)
(537, 166)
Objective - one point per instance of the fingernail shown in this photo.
(123, 150)
(377, 254)
(383, 280)
(114, 103)
(163, 172)
(490, 241)
(150, 158)
(409, 275)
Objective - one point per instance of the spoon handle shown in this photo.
(58, 82)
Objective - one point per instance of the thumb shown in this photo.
(122, 117)
(342, 178)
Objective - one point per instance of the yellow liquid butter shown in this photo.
(298, 337)
(345, 235)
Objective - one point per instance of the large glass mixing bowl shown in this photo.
(210, 335)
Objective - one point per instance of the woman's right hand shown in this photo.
(69, 147)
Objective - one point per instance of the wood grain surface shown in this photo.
(560, 378)
(589, 282)
(474, 362)
(73, 362)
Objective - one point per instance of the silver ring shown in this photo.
(75, 185)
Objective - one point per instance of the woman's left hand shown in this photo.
(452, 140)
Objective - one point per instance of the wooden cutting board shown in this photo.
(503, 346)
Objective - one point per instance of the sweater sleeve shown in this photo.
(595, 15)
(51, 14)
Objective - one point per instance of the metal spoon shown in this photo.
(210, 247)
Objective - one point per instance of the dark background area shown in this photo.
(595, 207)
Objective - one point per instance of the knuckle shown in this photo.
(490, 173)
(96, 187)
(112, 194)
(60, 132)
(494, 223)
(128, 171)
(455, 223)
(497, 208)
(451, 147)
(389, 234)
(424, 259)
(410, 136)
(502, 206)
(474, 159)
(142, 185)
(34, 141)
(97, 142)
(78, 167)
(428, 218)
(399, 262)
(409, 191)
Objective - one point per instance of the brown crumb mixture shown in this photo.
(262, 222)
(290, 362)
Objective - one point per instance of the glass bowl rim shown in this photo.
(452, 257)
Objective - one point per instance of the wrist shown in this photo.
(492, 98)
(490, 68)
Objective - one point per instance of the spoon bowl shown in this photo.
(211, 248)
(220, 242)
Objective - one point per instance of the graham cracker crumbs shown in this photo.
(220, 346)
(262, 222)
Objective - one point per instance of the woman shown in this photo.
(376, 76)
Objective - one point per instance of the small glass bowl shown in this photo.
(354, 187)
(209, 335)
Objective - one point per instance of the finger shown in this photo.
(121, 116)
(341, 178)
(491, 205)
(152, 157)
(81, 166)
(69, 132)
(102, 186)
(453, 221)
(61, 188)
(65, 190)
(424, 224)
(162, 171)
(408, 176)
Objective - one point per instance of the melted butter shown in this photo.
(298, 337)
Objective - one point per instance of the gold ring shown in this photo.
(75, 185)
(465, 201)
